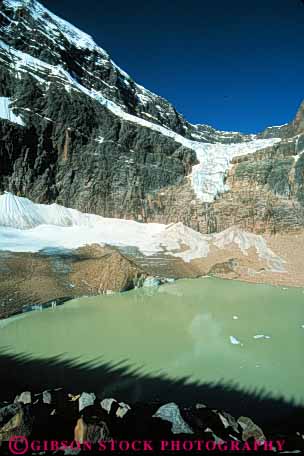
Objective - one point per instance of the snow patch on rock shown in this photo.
(177, 236)
(245, 241)
(6, 111)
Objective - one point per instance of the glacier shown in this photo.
(29, 227)
(207, 177)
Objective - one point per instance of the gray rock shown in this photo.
(228, 420)
(170, 412)
(200, 406)
(107, 403)
(122, 407)
(24, 398)
(85, 400)
(46, 397)
(15, 420)
(7, 412)
(122, 410)
(98, 432)
(250, 429)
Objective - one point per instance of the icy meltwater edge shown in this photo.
(205, 330)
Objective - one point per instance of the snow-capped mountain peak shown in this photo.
(30, 28)
(81, 132)
(54, 24)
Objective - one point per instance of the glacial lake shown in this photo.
(203, 331)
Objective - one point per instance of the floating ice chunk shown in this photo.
(151, 282)
(234, 340)
(261, 336)
(235, 317)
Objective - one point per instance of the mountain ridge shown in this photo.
(83, 41)
(78, 131)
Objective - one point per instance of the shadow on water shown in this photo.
(23, 372)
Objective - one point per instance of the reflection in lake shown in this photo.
(207, 330)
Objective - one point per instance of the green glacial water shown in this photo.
(201, 329)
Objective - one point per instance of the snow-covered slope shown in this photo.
(21, 213)
(54, 24)
(245, 241)
(29, 227)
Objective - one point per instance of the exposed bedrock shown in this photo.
(77, 130)
(265, 194)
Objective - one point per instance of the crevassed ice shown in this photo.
(214, 159)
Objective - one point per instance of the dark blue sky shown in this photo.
(236, 65)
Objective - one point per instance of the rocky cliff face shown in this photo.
(77, 130)
(264, 194)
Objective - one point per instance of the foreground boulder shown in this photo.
(15, 420)
(100, 423)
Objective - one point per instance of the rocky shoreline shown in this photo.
(58, 422)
